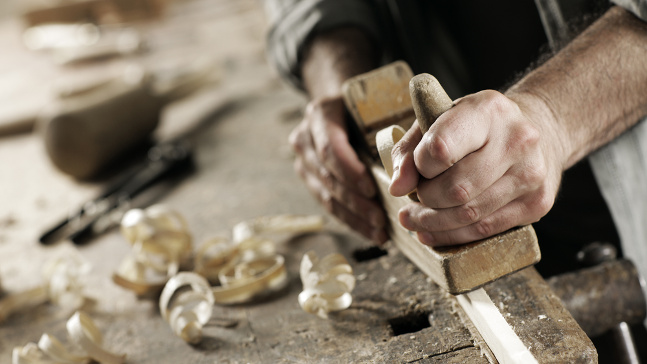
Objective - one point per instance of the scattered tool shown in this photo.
(100, 11)
(532, 328)
(85, 130)
(605, 297)
(95, 216)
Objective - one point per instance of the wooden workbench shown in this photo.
(238, 128)
(244, 170)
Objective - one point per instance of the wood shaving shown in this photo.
(249, 265)
(240, 270)
(246, 280)
(327, 284)
(161, 243)
(278, 224)
(187, 311)
(63, 286)
(82, 332)
(214, 255)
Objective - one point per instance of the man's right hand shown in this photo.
(332, 171)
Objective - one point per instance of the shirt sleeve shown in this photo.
(637, 7)
(294, 22)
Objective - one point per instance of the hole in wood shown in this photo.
(410, 323)
(363, 255)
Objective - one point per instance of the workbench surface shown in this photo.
(243, 170)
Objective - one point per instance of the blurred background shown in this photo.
(8, 8)
(175, 95)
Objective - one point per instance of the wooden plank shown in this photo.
(540, 320)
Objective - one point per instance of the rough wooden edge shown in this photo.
(477, 338)
(463, 268)
(540, 319)
(501, 339)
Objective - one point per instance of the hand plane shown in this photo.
(504, 302)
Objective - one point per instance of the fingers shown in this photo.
(516, 213)
(418, 217)
(327, 128)
(405, 175)
(519, 197)
(329, 187)
(363, 215)
(332, 170)
(465, 181)
(486, 169)
(458, 132)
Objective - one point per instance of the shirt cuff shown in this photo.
(303, 19)
(637, 7)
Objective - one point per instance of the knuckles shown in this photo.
(453, 194)
(485, 228)
(435, 152)
(524, 138)
(467, 214)
(533, 176)
(458, 195)
(541, 204)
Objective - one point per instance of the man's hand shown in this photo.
(482, 168)
(332, 171)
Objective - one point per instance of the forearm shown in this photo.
(592, 90)
(333, 57)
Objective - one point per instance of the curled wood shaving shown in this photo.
(22, 300)
(214, 255)
(161, 243)
(246, 280)
(242, 271)
(385, 140)
(327, 284)
(249, 266)
(187, 311)
(54, 349)
(85, 333)
(277, 224)
(28, 354)
(82, 332)
(63, 286)
(64, 280)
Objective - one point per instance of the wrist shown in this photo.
(334, 56)
(537, 109)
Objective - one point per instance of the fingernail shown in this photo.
(405, 220)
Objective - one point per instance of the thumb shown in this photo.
(405, 175)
